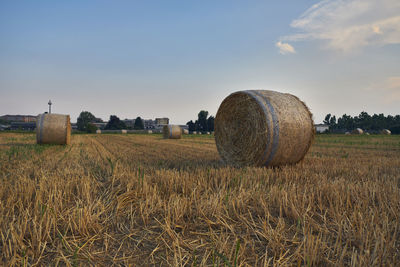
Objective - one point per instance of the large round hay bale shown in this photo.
(185, 131)
(98, 131)
(357, 131)
(386, 132)
(172, 131)
(53, 129)
(124, 131)
(263, 128)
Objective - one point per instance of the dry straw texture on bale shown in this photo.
(53, 129)
(357, 131)
(386, 132)
(185, 131)
(172, 132)
(263, 128)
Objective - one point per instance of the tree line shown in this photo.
(374, 123)
(86, 122)
(203, 123)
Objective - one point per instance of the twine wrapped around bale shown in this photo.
(172, 131)
(357, 131)
(53, 129)
(185, 131)
(263, 128)
(386, 132)
(98, 131)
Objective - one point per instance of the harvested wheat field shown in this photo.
(142, 200)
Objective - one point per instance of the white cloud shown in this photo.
(349, 25)
(285, 48)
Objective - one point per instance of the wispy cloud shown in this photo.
(285, 48)
(349, 25)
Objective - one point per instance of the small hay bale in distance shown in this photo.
(149, 131)
(53, 129)
(172, 131)
(194, 132)
(185, 131)
(208, 133)
(263, 128)
(386, 132)
(124, 131)
(347, 133)
(98, 131)
(357, 131)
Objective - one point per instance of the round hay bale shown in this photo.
(53, 129)
(172, 131)
(263, 128)
(149, 131)
(386, 132)
(98, 131)
(185, 131)
(124, 131)
(366, 133)
(347, 133)
(199, 133)
(194, 132)
(357, 131)
(208, 133)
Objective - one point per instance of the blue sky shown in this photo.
(174, 58)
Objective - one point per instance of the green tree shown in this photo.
(139, 125)
(327, 119)
(115, 124)
(202, 120)
(84, 119)
(210, 123)
(192, 126)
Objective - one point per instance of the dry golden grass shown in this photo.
(141, 200)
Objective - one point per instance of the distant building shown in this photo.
(162, 121)
(149, 124)
(18, 118)
(100, 125)
(321, 128)
(26, 126)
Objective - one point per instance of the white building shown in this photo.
(321, 128)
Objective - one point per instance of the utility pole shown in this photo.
(49, 106)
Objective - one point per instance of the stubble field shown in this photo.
(139, 200)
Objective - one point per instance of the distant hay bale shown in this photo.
(263, 128)
(185, 131)
(53, 129)
(98, 131)
(366, 133)
(386, 132)
(149, 131)
(347, 133)
(194, 132)
(172, 131)
(124, 131)
(208, 133)
(199, 133)
(357, 131)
